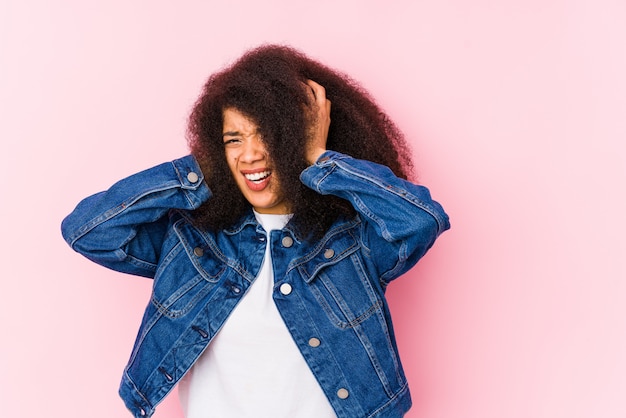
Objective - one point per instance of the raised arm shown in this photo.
(124, 227)
(401, 220)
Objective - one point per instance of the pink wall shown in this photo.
(516, 109)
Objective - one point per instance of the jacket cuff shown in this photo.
(189, 173)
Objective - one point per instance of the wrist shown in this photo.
(314, 155)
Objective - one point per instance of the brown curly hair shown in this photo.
(266, 85)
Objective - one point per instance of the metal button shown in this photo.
(314, 342)
(285, 288)
(192, 177)
(343, 393)
(329, 253)
(198, 252)
(287, 242)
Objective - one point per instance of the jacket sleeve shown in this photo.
(124, 227)
(401, 220)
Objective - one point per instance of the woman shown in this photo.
(270, 247)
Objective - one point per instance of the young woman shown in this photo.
(270, 246)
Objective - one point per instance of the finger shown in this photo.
(319, 92)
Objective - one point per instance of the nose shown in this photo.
(253, 150)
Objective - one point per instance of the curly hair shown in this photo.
(266, 85)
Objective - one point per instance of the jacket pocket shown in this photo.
(345, 292)
(186, 276)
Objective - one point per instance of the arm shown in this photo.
(124, 227)
(401, 220)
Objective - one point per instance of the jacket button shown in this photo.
(285, 288)
(314, 342)
(198, 252)
(329, 253)
(287, 242)
(192, 177)
(343, 393)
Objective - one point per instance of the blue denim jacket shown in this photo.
(330, 293)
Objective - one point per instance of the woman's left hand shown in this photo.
(321, 122)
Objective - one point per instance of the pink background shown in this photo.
(517, 113)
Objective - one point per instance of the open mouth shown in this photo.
(258, 178)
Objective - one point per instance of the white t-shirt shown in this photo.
(253, 368)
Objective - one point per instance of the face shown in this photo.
(250, 164)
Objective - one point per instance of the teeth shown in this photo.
(257, 176)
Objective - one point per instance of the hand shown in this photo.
(320, 122)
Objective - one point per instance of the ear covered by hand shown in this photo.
(320, 121)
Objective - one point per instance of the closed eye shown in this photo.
(231, 141)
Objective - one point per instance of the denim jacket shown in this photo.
(330, 293)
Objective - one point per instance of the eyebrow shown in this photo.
(231, 133)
